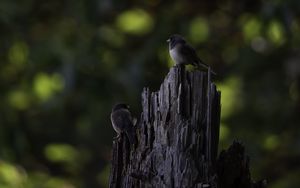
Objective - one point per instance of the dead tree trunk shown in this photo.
(178, 134)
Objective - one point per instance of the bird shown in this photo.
(123, 122)
(183, 53)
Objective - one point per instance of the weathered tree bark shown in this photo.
(178, 135)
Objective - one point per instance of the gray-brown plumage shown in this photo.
(182, 53)
(122, 122)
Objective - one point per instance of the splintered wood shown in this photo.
(177, 132)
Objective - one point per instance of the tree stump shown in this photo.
(178, 135)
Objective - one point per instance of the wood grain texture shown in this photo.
(178, 135)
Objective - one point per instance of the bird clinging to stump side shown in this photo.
(122, 122)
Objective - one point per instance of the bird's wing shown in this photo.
(191, 56)
(189, 53)
(122, 119)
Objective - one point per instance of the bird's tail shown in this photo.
(131, 135)
(199, 63)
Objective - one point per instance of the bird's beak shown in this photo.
(168, 40)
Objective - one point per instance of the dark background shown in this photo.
(63, 64)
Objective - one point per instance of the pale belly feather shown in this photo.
(176, 57)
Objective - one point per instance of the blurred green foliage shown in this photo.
(63, 64)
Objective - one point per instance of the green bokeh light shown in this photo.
(230, 100)
(10, 175)
(19, 99)
(61, 153)
(224, 132)
(135, 21)
(45, 86)
(275, 33)
(271, 142)
(18, 53)
(295, 27)
(199, 30)
(251, 28)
